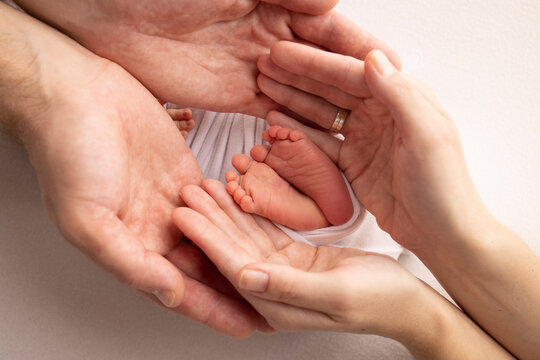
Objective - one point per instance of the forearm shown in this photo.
(495, 277)
(20, 89)
(435, 329)
(65, 15)
(34, 63)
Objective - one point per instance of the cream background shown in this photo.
(483, 60)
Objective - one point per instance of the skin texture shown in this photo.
(291, 182)
(110, 173)
(299, 287)
(403, 157)
(382, 158)
(205, 51)
(258, 189)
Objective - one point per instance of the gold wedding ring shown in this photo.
(341, 116)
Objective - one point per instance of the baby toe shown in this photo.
(247, 204)
(238, 195)
(259, 152)
(283, 133)
(241, 163)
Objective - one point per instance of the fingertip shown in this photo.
(263, 82)
(158, 276)
(253, 280)
(171, 298)
(212, 185)
(379, 62)
(280, 50)
(263, 62)
(379, 73)
(264, 327)
(188, 190)
(395, 59)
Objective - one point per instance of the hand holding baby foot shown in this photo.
(299, 287)
(244, 239)
(391, 155)
(264, 185)
(403, 157)
(260, 190)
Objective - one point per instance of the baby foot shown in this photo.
(183, 120)
(260, 190)
(299, 161)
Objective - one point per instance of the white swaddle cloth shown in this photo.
(217, 137)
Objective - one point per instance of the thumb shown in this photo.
(107, 240)
(285, 284)
(412, 104)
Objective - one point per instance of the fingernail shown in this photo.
(253, 280)
(165, 296)
(383, 66)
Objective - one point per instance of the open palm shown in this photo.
(391, 156)
(196, 53)
(110, 175)
(324, 288)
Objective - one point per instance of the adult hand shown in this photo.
(396, 138)
(110, 163)
(197, 53)
(403, 156)
(302, 276)
(299, 287)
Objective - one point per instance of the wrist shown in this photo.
(34, 79)
(436, 329)
(20, 88)
(458, 251)
(422, 320)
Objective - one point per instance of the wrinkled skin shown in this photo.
(110, 174)
(197, 53)
(306, 290)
